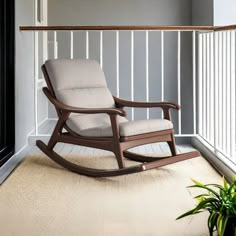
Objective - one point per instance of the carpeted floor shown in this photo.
(40, 198)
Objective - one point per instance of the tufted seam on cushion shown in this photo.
(78, 88)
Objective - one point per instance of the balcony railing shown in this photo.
(191, 65)
(217, 89)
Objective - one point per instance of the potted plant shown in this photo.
(220, 202)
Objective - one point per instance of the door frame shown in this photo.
(7, 79)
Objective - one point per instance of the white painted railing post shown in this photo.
(224, 100)
(211, 89)
(228, 94)
(200, 86)
(101, 49)
(87, 45)
(147, 72)
(207, 88)
(71, 45)
(216, 89)
(204, 98)
(194, 83)
(162, 67)
(55, 45)
(132, 72)
(36, 77)
(45, 46)
(220, 126)
(179, 81)
(117, 64)
(233, 97)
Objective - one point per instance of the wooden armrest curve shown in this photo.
(163, 105)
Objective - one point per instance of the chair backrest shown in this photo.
(79, 83)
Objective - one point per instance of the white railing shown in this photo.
(216, 82)
(209, 103)
(169, 89)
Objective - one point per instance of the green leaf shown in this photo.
(188, 213)
(206, 188)
(209, 202)
(197, 183)
(232, 188)
(225, 183)
(199, 208)
(215, 185)
(201, 195)
(212, 222)
(221, 224)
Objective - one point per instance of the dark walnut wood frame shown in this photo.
(116, 144)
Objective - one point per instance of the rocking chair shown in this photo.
(90, 116)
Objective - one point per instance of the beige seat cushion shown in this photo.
(99, 125)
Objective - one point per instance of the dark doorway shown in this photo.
(7, 74)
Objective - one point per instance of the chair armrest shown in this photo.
(164, 105)
(63, 107)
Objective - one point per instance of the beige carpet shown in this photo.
(40, 198)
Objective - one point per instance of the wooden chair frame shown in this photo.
(116, 144)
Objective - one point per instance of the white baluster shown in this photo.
(71, 45)
(179, 81)
(55, 46)
(147, 72)
(36, 77)
(101, 49)
(194, 82)
(232, 99)
(200, 85)
(132, 72)
(117, 64)
(162, 67)
(87, 45)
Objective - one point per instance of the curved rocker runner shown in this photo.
(92, 117)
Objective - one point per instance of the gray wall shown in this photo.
(202, 12)
(213, 12)
(131, 12)
(122, 12)
(24, 82)
(224, 12)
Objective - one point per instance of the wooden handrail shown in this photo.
(224, 28)
(107, 28)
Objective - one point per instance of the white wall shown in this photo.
(224, 12)
(24, 66)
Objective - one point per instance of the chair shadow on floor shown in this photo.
(108, 161)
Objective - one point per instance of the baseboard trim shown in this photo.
(12, 163)
(221, 166)
(33, 138)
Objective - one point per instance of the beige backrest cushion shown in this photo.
(79, 83)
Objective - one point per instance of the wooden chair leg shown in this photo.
(172, 145)
(116, 137)
(57, 130)
(119, 157)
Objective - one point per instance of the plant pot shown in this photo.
(230, 229)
